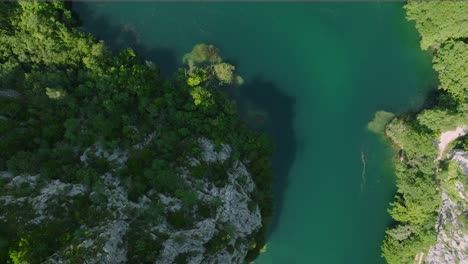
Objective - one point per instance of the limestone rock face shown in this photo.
(461, 158)
(234, 218)
(47, 196)
(223, 222)
(452, 237)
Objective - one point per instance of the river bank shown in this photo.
(313, 69)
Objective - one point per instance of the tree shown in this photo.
(55, 94)
(202, 53)
(86, 113)
(443, 28)
(224, 72)
(438, 21)
(450, 63)
(440, 120)
(201, 96)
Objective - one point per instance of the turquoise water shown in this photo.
(317, 72)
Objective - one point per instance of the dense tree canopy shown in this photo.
(450, 63)
(443, 28)
(73, 94)
(438, 21)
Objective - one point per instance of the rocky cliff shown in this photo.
(104, 160)
(452, 224)
(221, 228)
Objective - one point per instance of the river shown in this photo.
(317, 72)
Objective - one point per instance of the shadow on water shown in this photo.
(265, 98)
(123, 36)
(258, 98)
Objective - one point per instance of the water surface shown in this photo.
(319, 71)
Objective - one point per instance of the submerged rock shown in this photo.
(380, 120)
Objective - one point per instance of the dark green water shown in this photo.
(319, 71)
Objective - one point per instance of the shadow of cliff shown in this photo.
(123, 36)
(275, 111)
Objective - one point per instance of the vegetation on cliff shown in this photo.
(420, 175)
(68, 93)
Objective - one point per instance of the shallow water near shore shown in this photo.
(316, 73)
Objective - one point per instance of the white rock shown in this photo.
(105, 241)
(120, 157)
(210, 155)
(193, 241)
(115, 247)
(461, 158)
(452, 239)
(17, 181)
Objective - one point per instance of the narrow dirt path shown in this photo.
(448, 137)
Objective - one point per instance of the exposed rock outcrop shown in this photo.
(223, 235)
(452, 234)
(234, 220)
(461, 158)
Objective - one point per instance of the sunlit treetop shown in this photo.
(438, 21)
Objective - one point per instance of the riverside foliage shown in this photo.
(75, 93)
(443, 29)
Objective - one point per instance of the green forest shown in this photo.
(92, 138)
(65, 92)
(420, 175)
